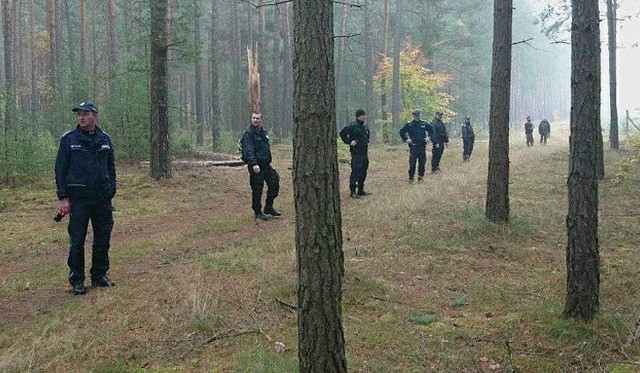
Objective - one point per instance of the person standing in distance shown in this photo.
(545, 130)
(528, 132)
(85, 184)
(468, 138)
(256, 152)
(356, 135)
(416, 134)
(439, 138)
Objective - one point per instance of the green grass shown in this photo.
(430, 284)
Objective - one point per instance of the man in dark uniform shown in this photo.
(468, 138)
(86, 183)
(356, 135)
(545, 130)
(416, 134)
(528, 131)
(439, 138)
(256, 152)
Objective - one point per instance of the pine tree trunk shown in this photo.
(316, 191)
(497, 204)
(583, 258)
(383, 95)
(395, 83)
(612, 6)
(197, 43)
(160, 146)
(216, 132)
(369, 63)
(8, 81)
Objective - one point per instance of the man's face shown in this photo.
(87, 120)
(439, 116)
(362, 118)
(256, 120)
(416, 117)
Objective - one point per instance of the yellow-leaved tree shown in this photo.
(420, 88)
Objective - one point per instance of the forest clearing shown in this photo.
(430, 285)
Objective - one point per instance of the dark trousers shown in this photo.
(467, 148)
(101, 217)
(269, 175)
(529, 139)
(543, 138)
(359, 167)
(417, 153)
(436, 154)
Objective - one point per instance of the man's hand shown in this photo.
(256, 169)
(353, 143)
(409, 142)
(437, 146)
(65, 207)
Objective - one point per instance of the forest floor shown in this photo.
(430, 285)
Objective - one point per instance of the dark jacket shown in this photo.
(360, 133)
(85, 167)
(440, 135)
(528, 128)
(467, 131)
(256, 149)
(544, 128)
(416, 131)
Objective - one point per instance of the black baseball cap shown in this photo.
(86, 106)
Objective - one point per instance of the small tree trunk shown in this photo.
(160, 145)
(497, 205)
(612, 6)
(216, 132)
(197, 43)
(395, 83)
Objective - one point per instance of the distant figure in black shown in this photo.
(85, 185)
(468, 138)
(256, 152)
(545, 130)
(528, 131)
(439, 138)
(416, 134)
(356, 135)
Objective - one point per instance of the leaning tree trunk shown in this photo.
(583, 257)
(613, 80)
(497, 204)
(160, 145)
(316, 190)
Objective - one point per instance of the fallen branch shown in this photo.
(229, 163)
(289, 306)
(232, 333)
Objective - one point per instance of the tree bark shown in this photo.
(395, 83)
(583, 257)
(612, 6)
(197, 43)
(369, 63)
(216, 132)
(160, 145)
(497, 204)
(8, 80)
(316, 191)
(383, 95)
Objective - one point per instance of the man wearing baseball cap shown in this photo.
(85, 184)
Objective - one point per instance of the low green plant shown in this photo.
(424, 319)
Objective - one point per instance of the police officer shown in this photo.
(468, 138)
(256, 152)
(528, 131)
(86, 183)
(356, 135)
(439, 138)
(416, 134)
(545, 130)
